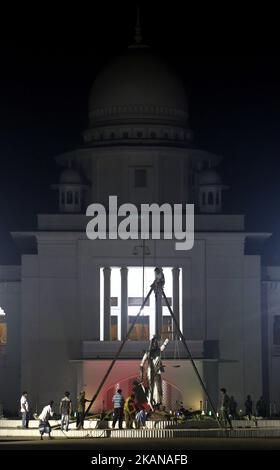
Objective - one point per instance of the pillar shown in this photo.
(107, 303)
(124, 302)
(176, 299)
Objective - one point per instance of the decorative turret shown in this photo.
(210, 191)
(71, 191)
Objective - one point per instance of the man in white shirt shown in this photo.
(46, 414)
(24, 409)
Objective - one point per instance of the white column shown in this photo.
(124, 302)
(107, 303)
(175, 299)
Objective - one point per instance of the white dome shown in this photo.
(138, 86)
(209, 177)
(70, 176)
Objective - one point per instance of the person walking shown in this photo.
(224, 407)
(249, 407)
(65, 411)
(24, 409)
(46, 414)
(118, 402)
(129, 411)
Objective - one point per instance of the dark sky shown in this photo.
(231, 74)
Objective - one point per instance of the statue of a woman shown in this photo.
(154, 370)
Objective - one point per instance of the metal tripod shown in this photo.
(157, 288)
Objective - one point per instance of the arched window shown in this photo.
(210, 199)
(69, 197)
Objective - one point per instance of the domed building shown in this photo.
(76, 298)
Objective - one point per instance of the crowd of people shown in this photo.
(132, 410)
(134, 414)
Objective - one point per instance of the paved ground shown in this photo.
(143, 444)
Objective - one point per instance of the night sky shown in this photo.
(231, 74)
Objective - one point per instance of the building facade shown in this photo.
(70, 303)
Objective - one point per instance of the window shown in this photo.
(69, 197)
(3, 337)
(153, 135)
(137, 301)
(114, 328)
(210, 199)
(217, 199)
(140, 330)
(76, 197)
(276, 330)
(139, 134)
(125, 135)
(62, 197)
(204, 199)
(167, 327)
(114, 301)
(169, 300)
(140, 178)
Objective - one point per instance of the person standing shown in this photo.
(233, 408)
(46, 414)
(249, 407)
(129, 411)
(65, 411)
(24, 409)
(81, 406)
(261, 407)
(225, 407)
(118, 402)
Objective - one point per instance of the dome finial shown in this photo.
(138, 35)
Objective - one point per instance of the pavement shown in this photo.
(97, 444)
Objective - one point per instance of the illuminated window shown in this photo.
(167, 327)
(137, 301)
(276, 330)
(141, 329)
(144, 329)
(114, 301)
(3, 337)
(114, 328)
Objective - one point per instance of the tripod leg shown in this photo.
(190, 356)
(119, 351)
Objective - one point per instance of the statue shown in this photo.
(154, 370)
